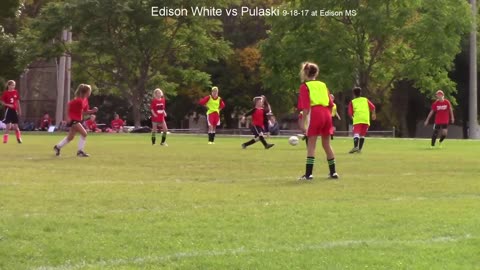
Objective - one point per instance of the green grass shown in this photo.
(398, 205)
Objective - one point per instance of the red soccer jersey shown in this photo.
(117, 123)
(304, 98)
(442, 112)
(158, 106)
(258, 117)
(11, 98)
(76, 107)
(91, 125)
(46, 122)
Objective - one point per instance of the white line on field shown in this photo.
(242, 250)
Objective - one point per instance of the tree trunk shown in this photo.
(136, 110)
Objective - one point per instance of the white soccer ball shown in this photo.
(293, 140)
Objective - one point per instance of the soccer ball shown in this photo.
(293, 140)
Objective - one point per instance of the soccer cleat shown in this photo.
(57, 150)
(163, 144)
(304, 177)
(244, 146)
(270, 145)
(333, 176)
(80, 153)
(354, 150)
(210, 142)
(19, 140)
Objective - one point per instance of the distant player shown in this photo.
(158, 110)
(11, 101)
(45, 122)
(334, 113)
(117, 124)
(258, 122)
(76, 108)
(214, 105)
(359, 109)
(443, 114)
(314, 100)
(91, 124)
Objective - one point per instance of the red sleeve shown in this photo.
(222, 104)
(434, 106)
(371, 106)
(204, 100)
(86, 106)
(18, 95)
(303, 98)
(350, 109)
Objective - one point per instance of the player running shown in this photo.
(76, 108)
(359, 110)
(258, 117)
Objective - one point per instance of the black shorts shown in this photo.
(256, 130)
(73, 122)
(11, 116)
(440, 126)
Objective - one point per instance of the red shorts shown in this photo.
(213, 119)
(319, 122)
(360, 129)
(159, 119)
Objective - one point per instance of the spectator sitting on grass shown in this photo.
(91, 124)
(45, 122)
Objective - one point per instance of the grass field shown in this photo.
(398, 205)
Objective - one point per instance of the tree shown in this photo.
(387, 42)
(123, 49)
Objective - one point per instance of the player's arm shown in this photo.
(350, 109)
(306, 112)
(338, 115)
(247, 114)
(428, 117)
(204, 100)
(222, 104)
(451, 113)
(372, 109)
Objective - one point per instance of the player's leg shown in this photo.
(363, 134)
(164, 133)
(7, 130)
(210, 128)
(256, 135)
(310, 161)
(154, 132)
(214, 122)
(261, 137)
(356, 138)
(330, 157)
(65, 141)
(436, 129)
(83, 140)
(443, 134)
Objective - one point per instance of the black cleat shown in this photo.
(57, 150)
(80, 153)
(244, 146)
(304, 177)
(270, 145)
(354, 150)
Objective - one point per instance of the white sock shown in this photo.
(63, 142)
(81, 143)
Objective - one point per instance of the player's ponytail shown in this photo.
(83, 90)
(308, 71)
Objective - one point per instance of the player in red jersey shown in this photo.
(11, 101)
(443, 115)
(91, 124)
(45, 122)
(157, 107)
(76, 108)
(117, 124)
(361, 110)
(214, 105)
(258, 117)
(314, 100)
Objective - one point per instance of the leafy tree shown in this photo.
(124, 50)
(387, 42)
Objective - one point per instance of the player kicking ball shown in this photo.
(443, 114)
(76, 108)
(257, 128)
